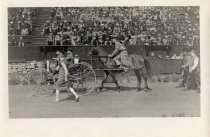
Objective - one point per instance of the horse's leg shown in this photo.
(115, 81)
(146, 84)
(137, 72)
(104, 80)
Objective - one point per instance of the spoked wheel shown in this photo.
(83, 78)
(41, 82)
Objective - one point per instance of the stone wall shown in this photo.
(26, 67)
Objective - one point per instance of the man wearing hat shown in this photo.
(65, 25)
(70, 56)
(120, 54)
(62, 82)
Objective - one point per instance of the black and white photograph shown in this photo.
(104, 61)
(108, 68)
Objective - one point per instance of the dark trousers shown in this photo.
(185, 73)
(193, 80)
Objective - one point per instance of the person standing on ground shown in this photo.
(193, 79)
(62, 82)
(187, 61)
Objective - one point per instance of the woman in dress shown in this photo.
(62, 82)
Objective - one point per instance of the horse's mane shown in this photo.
(101, 51)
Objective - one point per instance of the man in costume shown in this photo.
(120, 54)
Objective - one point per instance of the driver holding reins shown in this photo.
(120, 54)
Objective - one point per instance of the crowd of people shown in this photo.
(132, 25)
(20, 24)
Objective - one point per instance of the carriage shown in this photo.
(81, 76)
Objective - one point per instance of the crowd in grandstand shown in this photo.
(20, 24)
(132, 25)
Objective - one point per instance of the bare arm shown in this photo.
(57, 68)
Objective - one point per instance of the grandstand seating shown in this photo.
(183, 21)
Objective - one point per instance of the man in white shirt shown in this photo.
(187, 61)
(193, 80)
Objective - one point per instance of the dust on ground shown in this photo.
(163, 101)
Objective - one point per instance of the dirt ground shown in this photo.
(163, 101)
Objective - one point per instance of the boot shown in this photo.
(147, 88)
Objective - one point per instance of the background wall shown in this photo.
(23, 54)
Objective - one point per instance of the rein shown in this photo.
(100, 56)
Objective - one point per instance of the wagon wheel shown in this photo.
(41, 82)
(83, 78)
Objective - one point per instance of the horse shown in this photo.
(138, 63)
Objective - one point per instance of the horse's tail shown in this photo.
(148, 67)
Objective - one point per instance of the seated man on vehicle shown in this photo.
(120, 54)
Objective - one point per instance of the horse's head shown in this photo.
(97, 51)
(93, 51)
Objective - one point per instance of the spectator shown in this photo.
(65, 25)
(11, 28)
(58, 39)
(28, 24)
(165, 40)
(50, 40)
(59, 14)
(54, 27)
(53, 12)
(46, 28)
(24, 33)
(174, 22)
(20, 24)
(66, 38)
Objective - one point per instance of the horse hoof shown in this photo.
(138, 89)
(96, 90)
(147, 89)
(99, 89)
